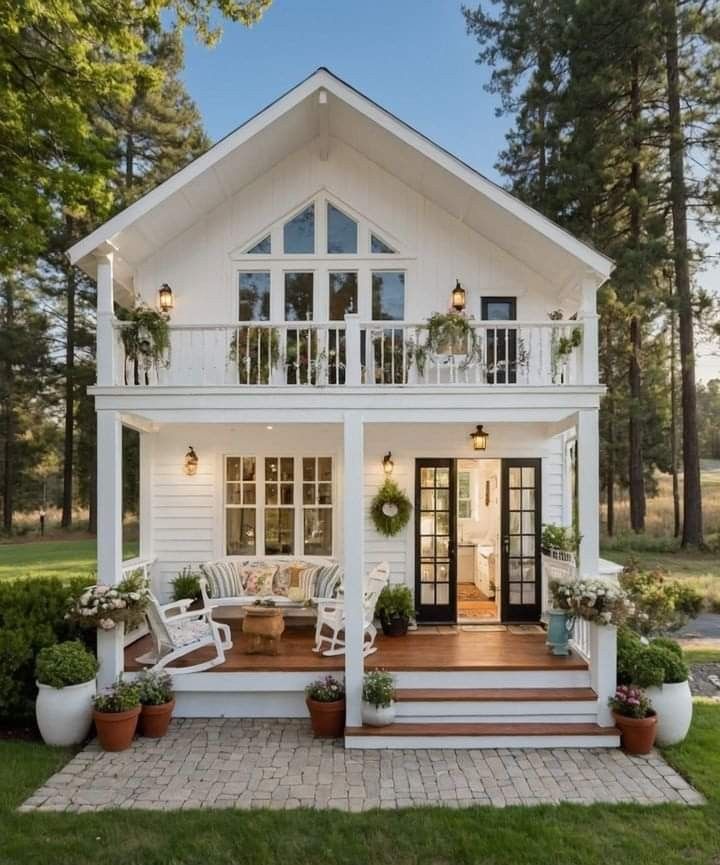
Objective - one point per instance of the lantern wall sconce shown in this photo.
(388, 464)
(166, 300)
(458, 297)
(191, 461)
(479, 438)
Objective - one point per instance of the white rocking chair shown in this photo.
(177, 635)
(331, 617)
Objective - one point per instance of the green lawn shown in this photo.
(567, 834)
(71, 558)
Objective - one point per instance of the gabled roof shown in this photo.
(325, 107)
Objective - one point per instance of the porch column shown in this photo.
(588, 468)
(105, 315)
(590, 320)
(603, 669)
(354, 556)
(109, 535)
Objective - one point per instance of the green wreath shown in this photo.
(390, 509)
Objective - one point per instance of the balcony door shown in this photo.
(435, 521)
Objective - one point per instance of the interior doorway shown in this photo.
(478, 544)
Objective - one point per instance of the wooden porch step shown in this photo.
(494, 695)
(450, 730)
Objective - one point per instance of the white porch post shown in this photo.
(105, 315)
(588, 461)
(353, 370)
(354, 563)
(603, 669)
(590, 320)
(109, 534)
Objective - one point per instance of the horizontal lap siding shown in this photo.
(553, 482)
(377, 547)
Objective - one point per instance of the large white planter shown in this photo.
(673, 704)
(64, 715)
(378, 716)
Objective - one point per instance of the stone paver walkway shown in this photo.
(277, 764)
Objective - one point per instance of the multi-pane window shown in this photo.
(299, 233)
(262, 247)
(299, 296)
(317, 505)
(240, 506)
(342, 232)
(286, 510)
(388, 295)
(379, 247)
(254, 296)
(343, 294)
(464, 496)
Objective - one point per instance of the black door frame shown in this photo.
(507, 345)
(444, 615)
(531, 614)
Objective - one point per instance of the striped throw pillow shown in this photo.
(223, 579)
(328, 580)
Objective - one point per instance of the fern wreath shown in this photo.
(390, 509)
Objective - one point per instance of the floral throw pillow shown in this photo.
(259, 580)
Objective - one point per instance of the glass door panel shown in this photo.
(435, 517)
(521, 521)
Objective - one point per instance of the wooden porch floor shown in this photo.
(429, 650)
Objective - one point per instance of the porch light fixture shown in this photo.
(191, 461)
(166, 301)
(479, 438)
(388, 464)
(458, 297)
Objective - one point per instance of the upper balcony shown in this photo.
(383, 355)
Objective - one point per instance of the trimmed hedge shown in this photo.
(32, 616)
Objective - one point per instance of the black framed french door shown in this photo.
(435, 548)
(520, 527)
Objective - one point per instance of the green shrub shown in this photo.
(378, 688)
(660, 604)
(122, 697)
(155, 688)
(629, 647)
(395, 602)
(646, 665)
(669, 644)
(186, 585)
(649, 668)
(65, 664)
(32, 616)
(559, 538)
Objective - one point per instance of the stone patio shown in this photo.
(277, 764)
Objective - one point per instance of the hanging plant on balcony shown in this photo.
(146, 341)
(449, 333)
(390, 509)
(562, 345)
(256, 351)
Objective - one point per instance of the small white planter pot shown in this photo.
(64, 715)
(673, 704)
(378, 716)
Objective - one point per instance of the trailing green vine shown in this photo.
(390, 509)
(562, 345)
(445, 333)
(146, 341)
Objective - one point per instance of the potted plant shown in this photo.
(445, 334)
(116, 715)
(325, 699)
(378, 707)
(146, 340)
(65, 675)
(186, 585)
(157, 701)
(105, 607)
(635, 718)
(660, 669)
(394, 609)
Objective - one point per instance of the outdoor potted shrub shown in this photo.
(186, 585)
(394, 609)
(65, 675)
(660, 668)
(325, 699)
(116, 715)
(157, 700)
(378, 706)
(635, 718)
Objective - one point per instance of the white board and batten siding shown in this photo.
(187, 513)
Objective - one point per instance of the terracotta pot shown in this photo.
(155, 720)
(394, 626)
(116, 729)
(327, 719)
(638, 734)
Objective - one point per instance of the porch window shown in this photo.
(299, 296)
(240, 506)
(254, 296)
(379, 247)
(388, 295)
(317, 506)
(279, 506)
(464, 496)
(343, 294)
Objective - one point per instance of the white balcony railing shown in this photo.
(362, 353)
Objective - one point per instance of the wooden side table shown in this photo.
(264, 627)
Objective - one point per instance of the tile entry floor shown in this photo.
(258, 763)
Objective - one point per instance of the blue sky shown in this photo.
(413, 57)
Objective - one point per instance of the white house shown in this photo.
(305, 253)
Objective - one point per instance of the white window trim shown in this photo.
(260, 505)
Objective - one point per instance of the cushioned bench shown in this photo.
(291, 582)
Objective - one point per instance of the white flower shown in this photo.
(106, 624)
(134, 596)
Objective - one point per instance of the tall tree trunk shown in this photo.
(636, 476)
(610, 441)
(673, 428)
(9, 413)
(692, 534)
(69, 399)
